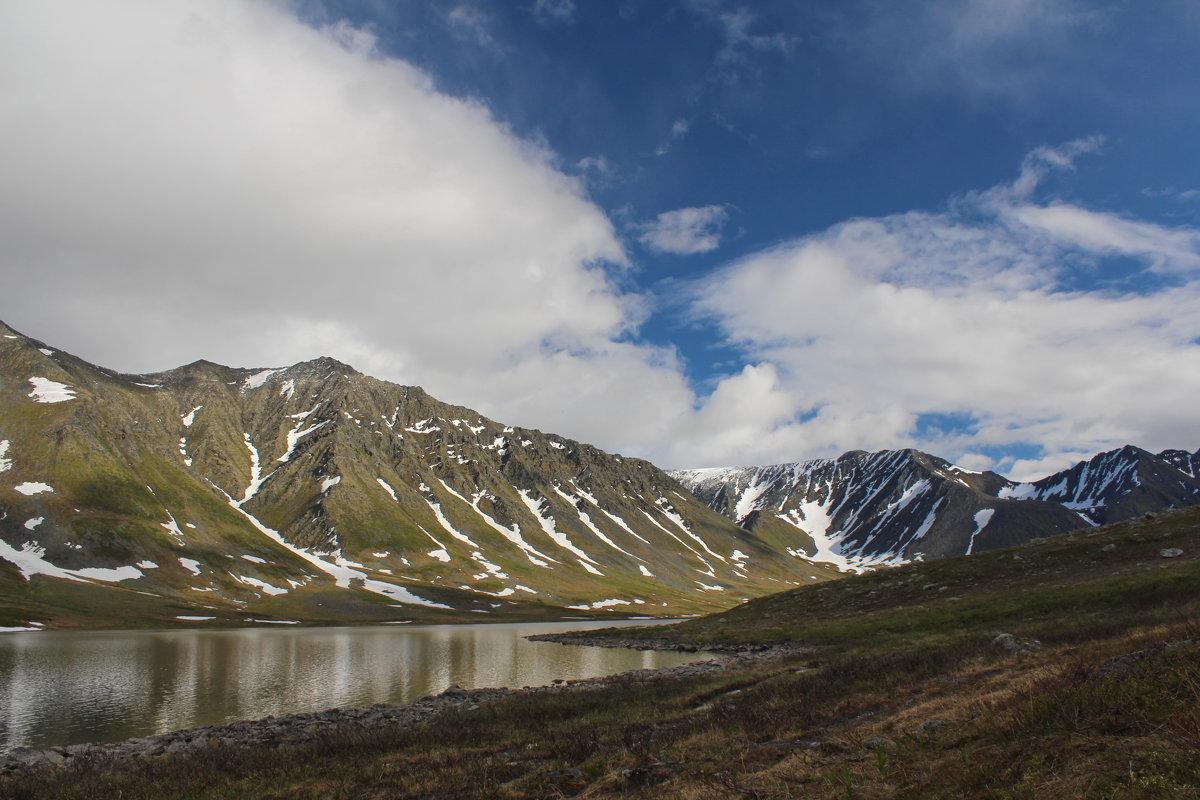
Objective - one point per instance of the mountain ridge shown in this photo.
(862, 509)
(315, 480)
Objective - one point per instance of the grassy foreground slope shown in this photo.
(906, 689)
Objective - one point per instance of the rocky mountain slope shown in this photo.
(314, 492)
(1119, 485)
(868, 509)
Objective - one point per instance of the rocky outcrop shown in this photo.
(862, 510)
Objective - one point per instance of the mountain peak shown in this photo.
(325, 363)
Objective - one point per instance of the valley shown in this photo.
(1065, 667)
(313, 494)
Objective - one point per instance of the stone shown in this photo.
(933, 726)
(1015, 644)
(1108, 548)
(1170, 552)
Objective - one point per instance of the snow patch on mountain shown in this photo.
(599, 604)
(262, 586)
(982, 518)
(748, 502)
(814, 519)
(30, 560)
(559, 538)
(48, 391)
(256, 477)
(587, 521)
(670, 513)
(341, 575)
(298, 432)
(445, 523)
(535, 556)
(708, 570)
(258, 379)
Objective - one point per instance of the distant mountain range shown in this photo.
(315, 492)
(862, 510)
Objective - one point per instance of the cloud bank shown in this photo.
(220, 180)
(965, 331)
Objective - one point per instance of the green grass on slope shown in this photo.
(1090, 575)
(903, 694)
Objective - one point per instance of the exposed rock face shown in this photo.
(1120, 484)
(316, 492)
(866, 509)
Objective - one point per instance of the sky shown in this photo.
(702, 232)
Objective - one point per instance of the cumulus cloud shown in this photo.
(685, 231)
(876, 326)
(268, 192)
(219, 180)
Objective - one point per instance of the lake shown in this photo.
(61, 688)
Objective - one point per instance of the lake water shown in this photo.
(60, 688)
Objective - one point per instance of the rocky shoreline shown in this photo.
(591, 639)
(298, 728)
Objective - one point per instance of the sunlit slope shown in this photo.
(250, 491)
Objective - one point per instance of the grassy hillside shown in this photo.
(904, 687)
(246, 493)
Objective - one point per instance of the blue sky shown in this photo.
(700, 231)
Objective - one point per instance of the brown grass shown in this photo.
(905, 698)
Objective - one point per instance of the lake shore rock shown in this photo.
(296, 728)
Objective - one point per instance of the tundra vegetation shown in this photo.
(1064, 668)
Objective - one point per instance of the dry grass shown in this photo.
(906, 697)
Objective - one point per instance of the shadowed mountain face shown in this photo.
(316, 492)
(1119, 485)
(866, 509)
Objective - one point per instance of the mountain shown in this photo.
(315, 492)
(1119, 485)
(863, 510)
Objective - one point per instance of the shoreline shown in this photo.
(291, 729)
(590, 639)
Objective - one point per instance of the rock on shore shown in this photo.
(296, 728)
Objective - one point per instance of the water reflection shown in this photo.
(68, 688)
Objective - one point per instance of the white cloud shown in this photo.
(598, 171)
(738, 38)
(679, 129)
(471, 24)
(245, 188)
(553, 12)
(975, 311)
(996, 48)
(738, 41)
(269, 192)
(685, 231)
